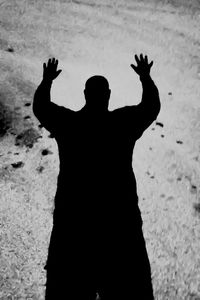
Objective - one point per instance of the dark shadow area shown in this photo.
(97, 243)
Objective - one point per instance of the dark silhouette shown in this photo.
(97, 243)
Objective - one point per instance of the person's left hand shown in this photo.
(50, 70)
(143, 67)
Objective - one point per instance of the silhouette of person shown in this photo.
(97, 243)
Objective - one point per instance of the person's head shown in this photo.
(97, 93)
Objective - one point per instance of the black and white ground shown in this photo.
(88, 38)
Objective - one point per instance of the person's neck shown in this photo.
(95, 110)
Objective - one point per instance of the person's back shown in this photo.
(96, 167)
(96, 216)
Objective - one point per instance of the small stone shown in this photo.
(19, 164)
(10, 49)
(45, 152)
(193, 189)
(159, 124)
(40, 169)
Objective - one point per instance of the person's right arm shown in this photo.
(48, 113)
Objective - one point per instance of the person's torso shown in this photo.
(95, 147)
(96, 173)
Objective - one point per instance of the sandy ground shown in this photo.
(101, 39)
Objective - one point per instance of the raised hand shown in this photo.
(143, 67)
(50, 70)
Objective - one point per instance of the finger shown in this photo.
(151, 64)
(134, 67)
(146, 59)
(137, 59)
(49, 62)
(141, 57)
(59, 71)
(56, 63)
(44, 66)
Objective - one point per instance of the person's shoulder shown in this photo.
(64, 115)
(66, 111)
(123, 110)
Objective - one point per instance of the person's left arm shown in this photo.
(143, 114)
(147, 110)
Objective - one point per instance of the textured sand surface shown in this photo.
(90, 39)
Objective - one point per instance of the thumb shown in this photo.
(151, 64)
(134, 68)
(58, 72)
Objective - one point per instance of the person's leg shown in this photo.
(126, 273)
(69, 286)
(73, 280)
(70, 266)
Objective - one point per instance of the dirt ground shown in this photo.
(89, 39)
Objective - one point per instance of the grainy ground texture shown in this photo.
(88, 39)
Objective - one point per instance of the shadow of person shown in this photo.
(97, 242)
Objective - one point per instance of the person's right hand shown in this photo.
(50, 70)
(142, 68)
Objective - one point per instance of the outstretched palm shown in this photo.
(50, 70)
(143, 67)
